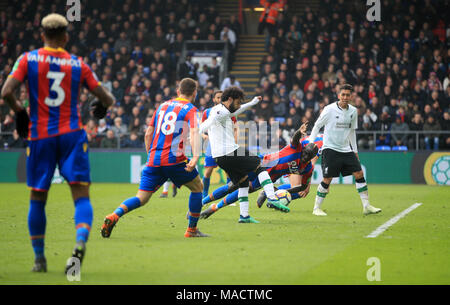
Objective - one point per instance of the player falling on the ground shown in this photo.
(297, 159)
(340, 153)
(236, 162)
(54, 129)
(165, 144)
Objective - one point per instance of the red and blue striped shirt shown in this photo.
(54, 78)
(287, 161)
(171, 122)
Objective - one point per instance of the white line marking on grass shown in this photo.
(392, 221)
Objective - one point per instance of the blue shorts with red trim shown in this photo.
(69, 151)
(153, 177)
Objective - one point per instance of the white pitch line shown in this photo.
(392, 221)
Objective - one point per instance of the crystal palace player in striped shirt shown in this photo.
(165, 144)
(296, 159)
(54, 79)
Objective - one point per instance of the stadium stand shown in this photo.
(399, 67)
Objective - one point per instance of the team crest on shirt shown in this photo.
(85, 147)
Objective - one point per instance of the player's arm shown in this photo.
(22, 119)
(299, 133)
(148, 137)
(352, 136)
(194, 141)
(16, 77)
(321, 121)
(246, 106)
(104, 100)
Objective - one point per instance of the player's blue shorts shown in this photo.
(153, 177)
(209, 160)
(69, 151)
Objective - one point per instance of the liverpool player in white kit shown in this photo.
(237, 163)
(339, 151)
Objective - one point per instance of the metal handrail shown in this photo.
(358, 132)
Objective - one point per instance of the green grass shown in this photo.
(147, 246)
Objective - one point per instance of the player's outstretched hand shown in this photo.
(22, 122)
(256, 100)
(98, 109)
(190, 166)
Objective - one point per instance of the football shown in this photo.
(284, 196)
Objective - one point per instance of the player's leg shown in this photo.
(83, 221)
(151, 179)
(331, 167)
(195, 207)
(36, 226)
(229, 200)
(322, 191)
(220, 193)
(244, 216)
(41, 164)
(361, 187)
(266, 183)
(207, 178)
(73, 162)
(165, 192)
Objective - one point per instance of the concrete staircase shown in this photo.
(247, 60)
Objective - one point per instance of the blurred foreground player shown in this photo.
(54, 129)
(165, 144)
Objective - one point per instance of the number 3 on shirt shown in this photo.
(168, 126)
(57, 78)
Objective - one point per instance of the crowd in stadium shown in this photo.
(399, 67)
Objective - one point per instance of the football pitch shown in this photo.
(147, 246)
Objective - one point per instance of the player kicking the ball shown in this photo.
(165, 144)
(340, 154)
(235, 162)
(54, 78)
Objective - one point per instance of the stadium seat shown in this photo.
(400, 148)
(383, 148)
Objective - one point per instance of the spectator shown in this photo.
(110, 141)
(132, 141)
(445, 125)
(228, 82)
(102, 128)
(16, 141)
(431, 125)
(416, 124)
(118, 128)
(398, 129)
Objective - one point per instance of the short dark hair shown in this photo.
(217, 92)
(188, 86)
(233, 92)
(346, 87)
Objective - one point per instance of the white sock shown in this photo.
(243, 201)
(266, 183)
(363, 193)
(166, 186)
(321, 193)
